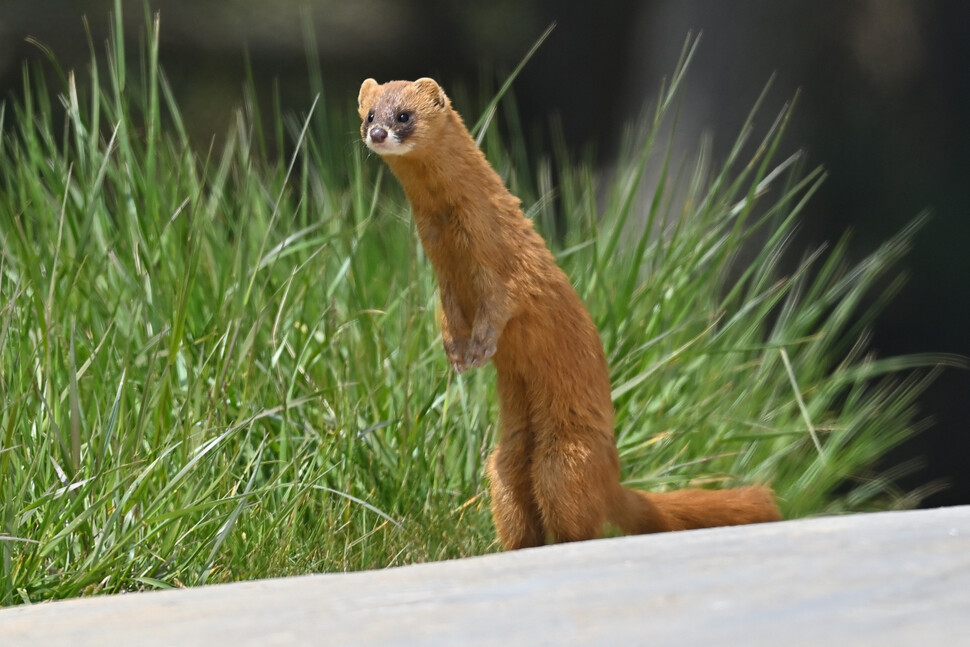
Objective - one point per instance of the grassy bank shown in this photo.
(220, 365)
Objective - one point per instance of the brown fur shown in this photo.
(555, 473)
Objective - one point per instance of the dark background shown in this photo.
(884, 105)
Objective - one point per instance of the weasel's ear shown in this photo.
(367, 89)
(431, 89)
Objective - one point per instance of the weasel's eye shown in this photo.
(403, 117)
(370, 117)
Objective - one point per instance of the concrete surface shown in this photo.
(898, 578)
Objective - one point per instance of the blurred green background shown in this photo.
(884, 104)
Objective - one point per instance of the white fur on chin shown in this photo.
(390, 146)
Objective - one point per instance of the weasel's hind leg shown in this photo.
(576, 480)
(514, 509)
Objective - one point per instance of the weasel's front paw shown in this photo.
(481, 347)
(455, 350)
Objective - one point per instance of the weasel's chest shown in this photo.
(455, 259)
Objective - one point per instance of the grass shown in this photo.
(219, 365)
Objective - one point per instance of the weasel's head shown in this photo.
(400, 116)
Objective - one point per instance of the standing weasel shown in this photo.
(555, 473)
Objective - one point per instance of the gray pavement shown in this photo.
(896, 578)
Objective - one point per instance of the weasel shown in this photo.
(554, 474)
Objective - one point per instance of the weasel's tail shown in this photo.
(643, 512)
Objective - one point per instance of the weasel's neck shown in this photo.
(451, 173)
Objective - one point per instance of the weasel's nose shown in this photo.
(378, 135)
